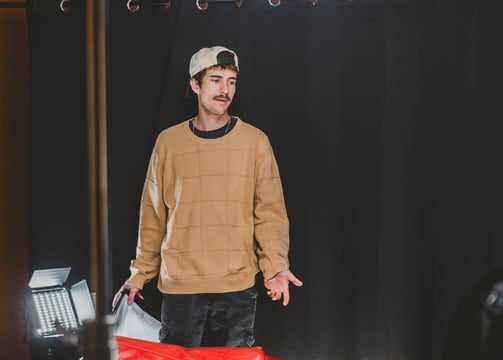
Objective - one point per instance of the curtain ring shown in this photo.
(275, 2)
(65, 6)
(132, 5)
(201, 5)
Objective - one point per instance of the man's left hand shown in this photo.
(278, 286)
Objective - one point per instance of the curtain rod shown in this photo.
(134, 5)
(203, 4)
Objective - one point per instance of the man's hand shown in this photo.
(278, 286)
(133, 292)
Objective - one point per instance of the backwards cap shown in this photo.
(207, 57)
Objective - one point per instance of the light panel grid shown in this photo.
(54, 310)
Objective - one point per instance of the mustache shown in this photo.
(222, 97)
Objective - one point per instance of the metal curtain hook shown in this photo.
(132, 5)
(201, 5)
(65, 6)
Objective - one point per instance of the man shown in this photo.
(212, 215)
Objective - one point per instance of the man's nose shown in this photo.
(224, 89)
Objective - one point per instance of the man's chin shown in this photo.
(219, 111)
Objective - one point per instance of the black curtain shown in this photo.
(385, 122)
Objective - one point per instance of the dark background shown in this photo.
(385, 120)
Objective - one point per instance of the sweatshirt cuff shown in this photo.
(270, 270)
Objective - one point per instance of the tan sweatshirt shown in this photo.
(212, 213)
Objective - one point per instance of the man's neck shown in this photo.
(208, 122)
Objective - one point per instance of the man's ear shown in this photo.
(194, 85)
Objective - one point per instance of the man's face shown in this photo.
(217, 90)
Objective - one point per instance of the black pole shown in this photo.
(98, 341)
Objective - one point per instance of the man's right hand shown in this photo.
(133, 292)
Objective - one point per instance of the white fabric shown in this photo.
(133, 322)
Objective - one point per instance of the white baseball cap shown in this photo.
(208, 57)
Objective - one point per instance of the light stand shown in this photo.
(98, 341)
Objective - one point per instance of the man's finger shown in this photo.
(286, 298)
(295, 281)
(131, 296)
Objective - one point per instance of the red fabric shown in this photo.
(135, 349)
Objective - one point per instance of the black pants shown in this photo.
(193, 320)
